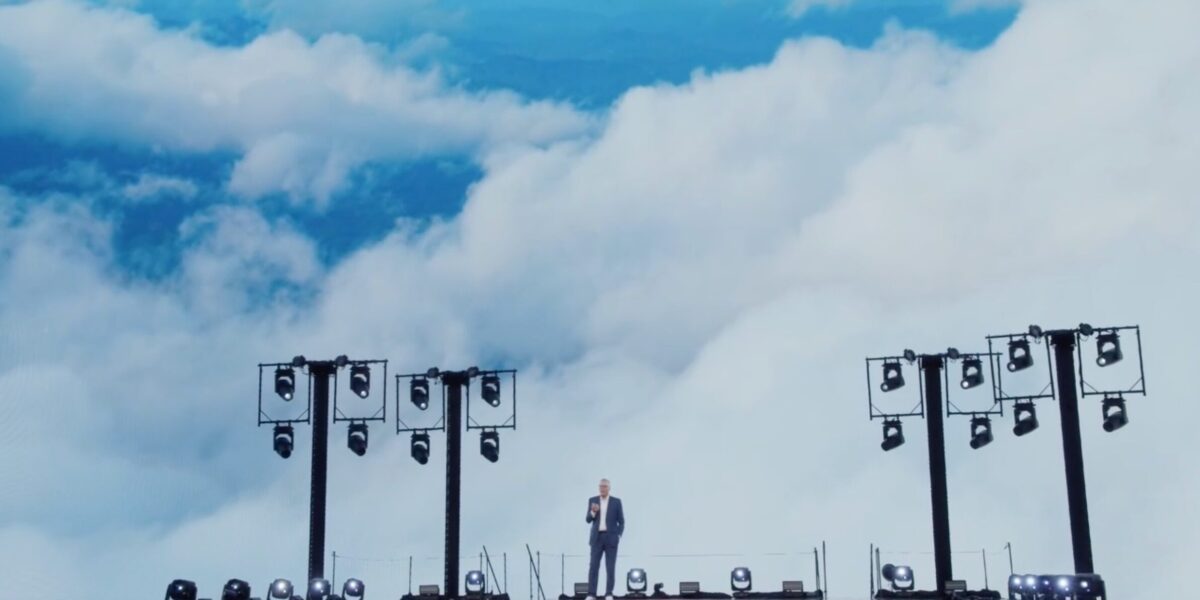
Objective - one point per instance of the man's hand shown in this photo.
(595, 508)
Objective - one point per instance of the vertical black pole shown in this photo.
(985, 573)
(871, 563)
(321, 373)
(1068, 406)
(454, 383)
(931, 367)
(824, 571)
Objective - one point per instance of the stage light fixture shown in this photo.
(1064, 584)
(1089, 586)
(420, 447)
(475, 583)
(635, 581)
(360, 380)
(281, 589)
(893, 434)
(1108, 349)
(687, 588)
(910, 356)
(952, 353)
(981, 432)
(901, 577)
(740, 580)
(356, 438)
(418, 393)
(285, 382)
(1086, 330)
(1024, 418)
(318, 589)
(1045, 586)
(793, 586)
(235, 589)
(1019, 356)
(181, 589)
(489, 445)
(1014, 586)
(1115, 414)
(353, 588)
(284, 440)
(972, 373)
(893, 376)
(429, 590)
(489, 388)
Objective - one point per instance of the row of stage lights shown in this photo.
(741, 582)
(280, 589)
(636, 583)
(1055, 587)
(1108, 352)
(284, 435)
(1020, 587)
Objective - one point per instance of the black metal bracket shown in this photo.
(381, 413)
(433, 378)
(511, 421)
(998, 393)
(266, 419)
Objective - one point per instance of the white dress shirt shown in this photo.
(603, 513)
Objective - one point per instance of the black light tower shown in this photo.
(320, 374)
(1067, 345)
(934, 386)
(453, 385)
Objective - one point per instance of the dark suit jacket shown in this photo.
(614, 518)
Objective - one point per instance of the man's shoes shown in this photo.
(608, 597)
(590, 598)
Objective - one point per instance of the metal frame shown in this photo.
(996, 408)
(451, 423)
(998, 369)
(1138, 388)
(511, 421)
(381, 414)
(440, 424)
(1068, 386)
(305, 417)
(873, 411)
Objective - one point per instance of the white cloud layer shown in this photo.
(690, 295)
(302, 114)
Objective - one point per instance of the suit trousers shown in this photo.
(606, 544)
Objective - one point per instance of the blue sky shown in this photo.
(685, 222)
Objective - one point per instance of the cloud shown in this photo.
(799, 8)
(689, 295)
(284, 103)
(149, 186)
(368, 19)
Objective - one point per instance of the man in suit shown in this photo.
(607, 518)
